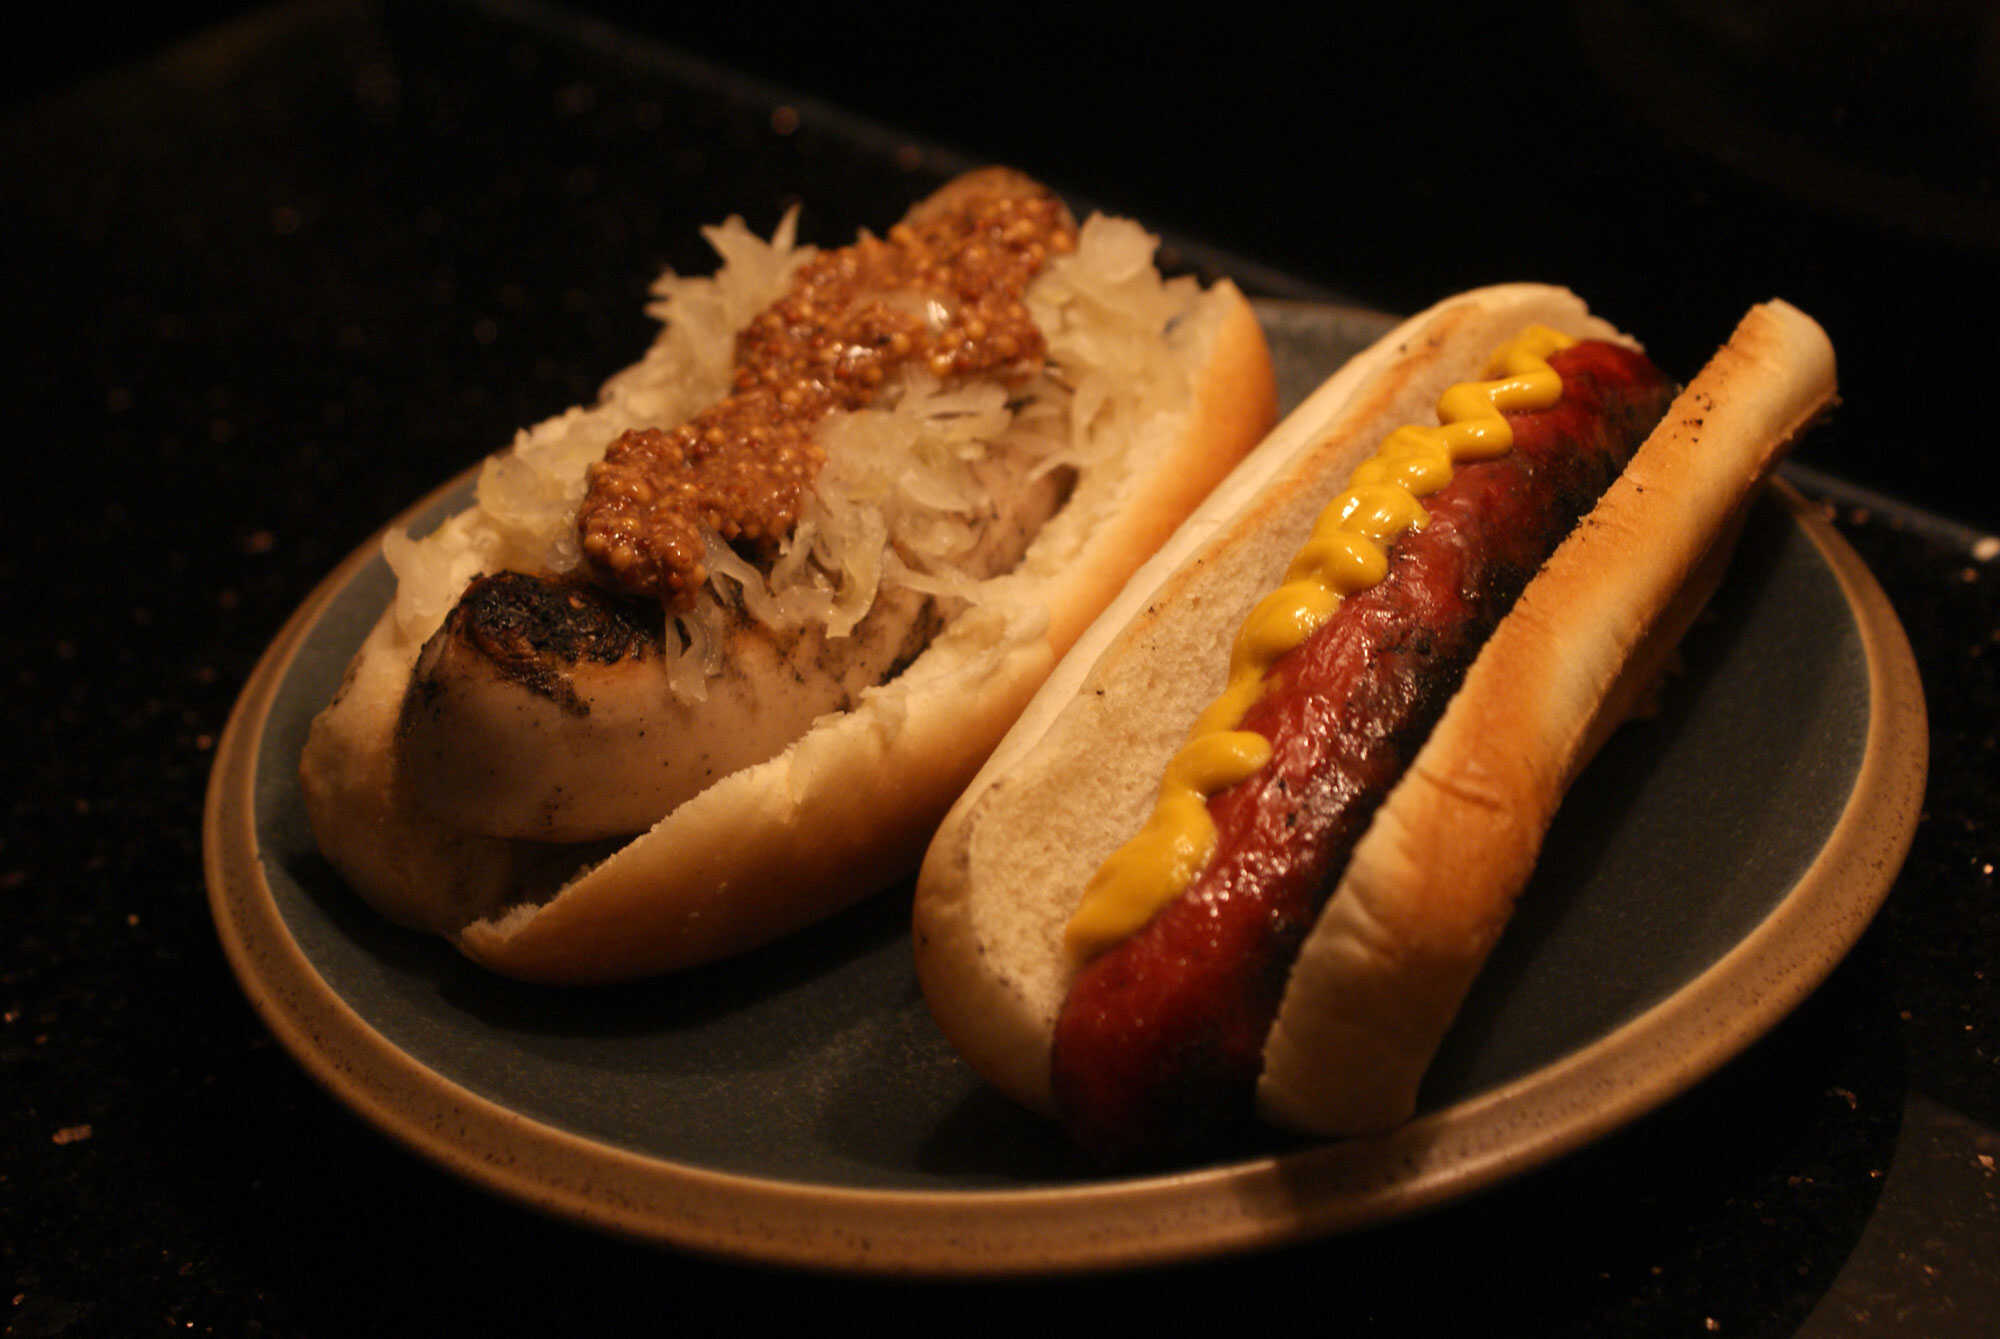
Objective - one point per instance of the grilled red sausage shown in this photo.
(1172, 1021)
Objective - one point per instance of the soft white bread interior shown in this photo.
(1434, 879)
(1076, 775)
(848, 807)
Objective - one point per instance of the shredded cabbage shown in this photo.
(898, 500)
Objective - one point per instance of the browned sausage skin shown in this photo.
(1160, 1040)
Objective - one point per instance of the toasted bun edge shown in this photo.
(1433, 881)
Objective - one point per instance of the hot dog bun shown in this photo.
(1432, 884)
(1392, 954)
(848, 806)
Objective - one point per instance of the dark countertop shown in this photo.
(272, 283)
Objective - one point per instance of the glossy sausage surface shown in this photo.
(1160, 1040)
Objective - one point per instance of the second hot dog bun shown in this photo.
(1433, 879)
(848, 805)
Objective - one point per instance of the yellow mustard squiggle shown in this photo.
(1346, 553)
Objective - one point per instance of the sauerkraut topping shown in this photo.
(943, 293)
(906, 490)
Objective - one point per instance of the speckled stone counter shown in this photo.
(270, 285)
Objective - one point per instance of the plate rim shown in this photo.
(1252, 1204)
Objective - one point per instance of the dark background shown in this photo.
(1673, 161)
